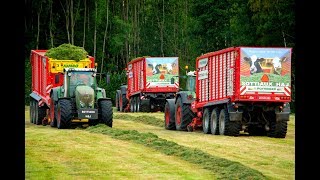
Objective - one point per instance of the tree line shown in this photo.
(116, 31)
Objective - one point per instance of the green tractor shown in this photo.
(79, 100)
(177, 112)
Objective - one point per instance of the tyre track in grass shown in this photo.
(273, 157)
(222, 168)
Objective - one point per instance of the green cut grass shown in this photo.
(223, 168)
(274, 157)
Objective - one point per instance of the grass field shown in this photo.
(80, 154)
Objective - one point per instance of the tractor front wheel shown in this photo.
(106, 114)
(64, 114)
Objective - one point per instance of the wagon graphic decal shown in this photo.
(265, 71)
(160, 70)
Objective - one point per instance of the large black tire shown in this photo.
(145, 105)
(133, 104)
(35, 112)
(118, 100)
(206, 121)
(227, 127)
(41, 113)
(184, 115)
(64, 114)
(31, 110)
(123, 101)
(138, 103)
(169, 115)
(214, 121)
(277, 129)
(53, 112)
(106, 113)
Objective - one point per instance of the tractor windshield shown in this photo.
(191, 83)
(81, 77)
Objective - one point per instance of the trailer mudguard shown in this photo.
(35, 96)
(123, 89)
(55, 91)
(234, 114)
(285, 114)
(184, 97)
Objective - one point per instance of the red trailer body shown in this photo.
(47, 73)
(237, 88)
(149, 83)
(141, 77)
(226, 74)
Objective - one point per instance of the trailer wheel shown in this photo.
(184, 115)
(227, 127)
(106, 114)
(53, 112)
(214, 121)
(36, 113)
(64, 114)
(31, 110)
(41, 113)
(123, 101)
(277, 129)
(145, 105)
(138, 103)
(206, 121)
(169, 117)
(34, 120)
(117, 100)
(132, 104)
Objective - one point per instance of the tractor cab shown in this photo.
(191, 81)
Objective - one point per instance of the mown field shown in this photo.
(138, 147)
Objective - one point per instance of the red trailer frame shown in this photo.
(222, 70)
(47, 73)
(137, 79)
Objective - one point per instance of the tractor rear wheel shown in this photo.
(106, 114)
(64, 114)
(169, 116)
(184, 115)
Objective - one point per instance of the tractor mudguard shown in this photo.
(184, 97)
(123, 89)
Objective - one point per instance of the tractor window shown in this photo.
(191, 86)
(80, 78)
(84, 78)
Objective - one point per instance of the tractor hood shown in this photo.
(84, 97)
